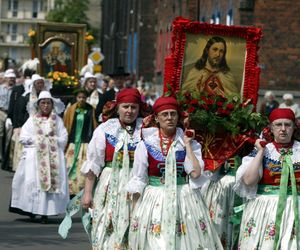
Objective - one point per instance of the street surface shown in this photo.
(17, 232)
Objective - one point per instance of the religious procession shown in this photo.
(201, 156)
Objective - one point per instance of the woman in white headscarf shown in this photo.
(40, 184)
(32, 91)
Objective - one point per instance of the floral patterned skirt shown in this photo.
(15, 150)
(257, 229)
(219, 198)
(194, 228)
(103, 235)
(77, 183)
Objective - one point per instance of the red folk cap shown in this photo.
(282, 113)
(128, 95)
(163, 103)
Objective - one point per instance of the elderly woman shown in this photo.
(24, 105)
(109, 159)
(290, 103)
(269, 177)
(40, 184)
(170, 213)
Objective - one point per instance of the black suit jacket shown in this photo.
(13, 111)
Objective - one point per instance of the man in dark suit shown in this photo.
(119, 76)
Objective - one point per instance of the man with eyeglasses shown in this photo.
(269, 178)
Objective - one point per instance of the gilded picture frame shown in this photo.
(70, 34)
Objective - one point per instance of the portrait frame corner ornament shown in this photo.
(182, 28)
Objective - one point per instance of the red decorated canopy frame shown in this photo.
(219, 148)
(174, 62)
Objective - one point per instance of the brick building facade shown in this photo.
(279, 53)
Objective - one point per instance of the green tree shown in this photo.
(69, 11)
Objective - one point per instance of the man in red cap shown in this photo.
(269, 177)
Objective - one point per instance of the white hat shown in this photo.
(9, 73)
(269, 94)
(36, 77)
(287, 96)
(89, 75)
(29, 84)
(58, 105)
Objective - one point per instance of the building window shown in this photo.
(34, 8)
(229, 18)
(13, 33)
(13, 7)
(41, 3)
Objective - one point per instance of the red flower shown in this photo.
(209, 101)
(191, 109)
(194, 102)
(187, 95)
(203, 98)
(220, 104)
(230, 106)
(204, 106)
(223, 112)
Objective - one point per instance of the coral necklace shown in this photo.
(165, 142)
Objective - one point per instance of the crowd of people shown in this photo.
(142, 181)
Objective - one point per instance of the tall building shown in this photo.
(139, 32)
(16, 18)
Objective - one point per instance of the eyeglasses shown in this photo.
(280, 125)
(165, 115)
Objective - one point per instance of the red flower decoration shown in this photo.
(209, 101)
(230, 106)
(194, 102)
(204, 106)
(220, 104)
(191, 109)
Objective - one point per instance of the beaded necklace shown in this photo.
(165, 142)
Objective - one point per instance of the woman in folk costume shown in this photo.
(109, 158)
(268, 178)
(40, 183)
(90, 85)
(219, 197)
(23, 107)
(79, 120)
(170, 213)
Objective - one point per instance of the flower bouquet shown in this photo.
(62, 83)
(31, 37)
(89, 40)
(222, 124)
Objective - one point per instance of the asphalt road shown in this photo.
(19, 233)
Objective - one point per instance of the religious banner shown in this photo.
(213, 71)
